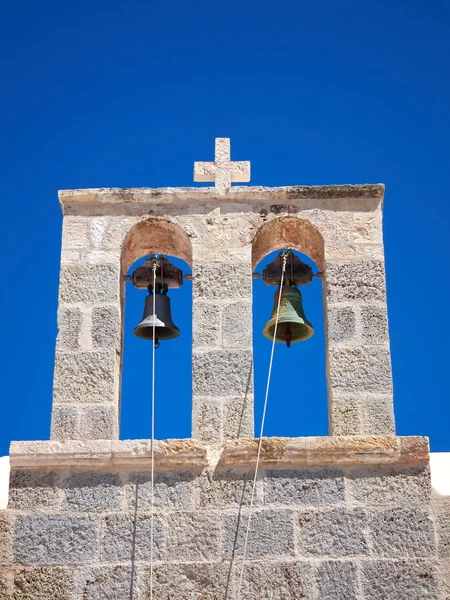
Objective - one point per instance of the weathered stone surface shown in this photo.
(220, 281)
(238, 417)
(126, 537)
(107, 583)
(363, 281)
(5, 536)
(174, 490)
(378, 414)
(105, 327)
(33, 490)
(374, 325)
(6, 585)
(367, 227)
(44, 583)
(92, 491)
(292, 580)
(332, 532)
(360, 368)
(337, 580)
(341, 324)
(75, 234)
(193, 536)
(444, 577)
(55, 539)
(207, 419)
(400, 580)
(222, 373)
(99, 422)
(271, 533)
(237, 325)
(306, 487)
(389, 485)
(69, 328)
(206, 324)
(346, 414)
(97, 228)
(65, 423)
(84, 377)
(225, 488)
(441, 510)
(89, 284)
(402, 532)
(193, 581)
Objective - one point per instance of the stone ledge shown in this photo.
(337, 450)
(207, 195)
(191, 454)
(106, 453)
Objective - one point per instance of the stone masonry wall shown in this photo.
(322, 533)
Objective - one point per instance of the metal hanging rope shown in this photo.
(152, 443)
(258, 455)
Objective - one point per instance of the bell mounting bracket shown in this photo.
(167, 275)
(296, 273)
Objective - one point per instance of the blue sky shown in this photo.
(104, 94)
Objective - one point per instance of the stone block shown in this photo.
(350, 281)
(65, 422)
(69, 328)
(402, 532)
(84, 377)
(97, 228)
(400, 580)
(206, 324)
(107, 583)
(238, 417)
(306, 487)
(444, 578)
(271, 533)
(75, 234)
(222, 373)
(126, 537)
(237, 325)
(224, 488)
(360, 368)
(55, 539)
(396, 486)
(44, 583)
(190, 581)
(332, 532)
(346, 414)
(378, 415)
(441, 511)
(105, 327)
(5, 537)
(207, 420)
(99, 422)
(293, 580)
(6, 585)
(367, 227)
(172, 491)
(88, 284)
(337, 580)
(33, 490)
(222, 280)
(193, 536)
(92, 491)
(341, 324)
(374, 325)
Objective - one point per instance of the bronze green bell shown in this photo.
(293, 326)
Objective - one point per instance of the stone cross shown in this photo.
(222, 171)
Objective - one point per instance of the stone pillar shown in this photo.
(358, 356)
(222, 356)
(88, 351)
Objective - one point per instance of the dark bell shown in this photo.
(165, 328)
(293, 326)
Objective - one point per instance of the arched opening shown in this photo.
(298, 404)
(173, 363)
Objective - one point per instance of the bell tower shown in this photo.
(222, 515)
